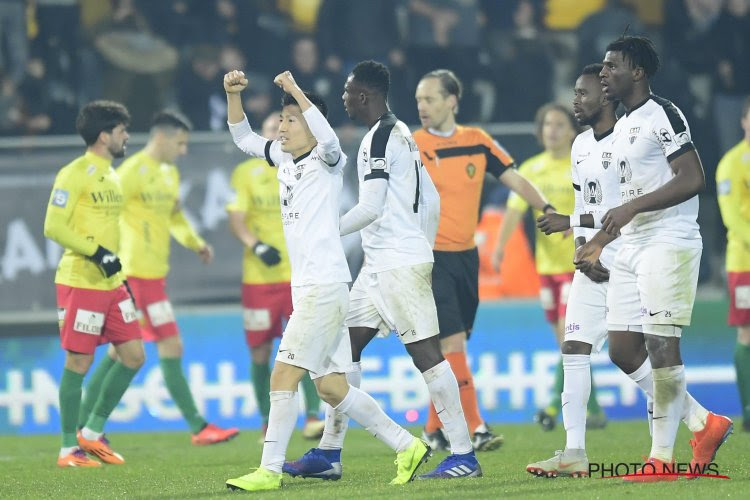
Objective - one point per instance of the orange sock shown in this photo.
(466, 389)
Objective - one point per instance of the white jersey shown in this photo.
(646, 139)
(596, 183)
(310, 194)
(395, 238)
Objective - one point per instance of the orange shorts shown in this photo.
(265, 308)
(155, 311)
(554, 295)
(88, 318)
(739, 298)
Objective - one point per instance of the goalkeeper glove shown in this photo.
(268, 254)
(108, 263)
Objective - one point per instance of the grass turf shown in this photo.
(166, 465)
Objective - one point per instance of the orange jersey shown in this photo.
(457, 165)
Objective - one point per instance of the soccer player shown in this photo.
(151, 213)
(255, 219)
(393, 290)
(457, 158)
(550, 170)
(310, 166)
(733, 185)
(94, 306)
(654, 275)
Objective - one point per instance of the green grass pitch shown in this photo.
(166, 465)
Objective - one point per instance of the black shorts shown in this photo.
(455, 284)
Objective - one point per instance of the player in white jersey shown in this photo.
(310, 171)
(655, 272)
(393, 291)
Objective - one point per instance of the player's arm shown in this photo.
(329, 148)
(552, 222)
(64, 197)
(730, 190)
(372, 194)
(242, 134)
(587, 255)
(429, 208)
(183, 231)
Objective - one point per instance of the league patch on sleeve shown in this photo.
(378, 164)
(724, 187)
(59, 198)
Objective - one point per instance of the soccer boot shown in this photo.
(546, 419)
(261, 479)
(706, 443)
(484, 439)
(316, 463)
(212, 434)
(408, 461)
(454, 466)
(565, 463)
(313, 428)
(596, 420)
(654, 470)
(101, 449)
(436, 440)
(77, 458)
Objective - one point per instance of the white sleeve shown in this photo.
(329, 148)
(671, 130)
(429, 208)
(371, 201)
(253, 144)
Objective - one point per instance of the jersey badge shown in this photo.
(665, 138)
(593, 192)
(724, 187)
(91, 170)
(625, 173)
(59, 198)
(634, 131)
(606, 159)
(471, 170)
(298, 171)
(682, 138)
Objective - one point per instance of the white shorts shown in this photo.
(315, 337)
(586, 316)
(400, 300)
(654, 287)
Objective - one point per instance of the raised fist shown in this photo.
(285, 80)
(235, 82)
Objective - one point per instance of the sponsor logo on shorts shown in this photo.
(256, 320)
(89, 322)
(160, 313)
(127, 309)
(572, 327)
(742, 297)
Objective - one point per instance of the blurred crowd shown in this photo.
(513, 55)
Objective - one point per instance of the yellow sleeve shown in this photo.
(731, 193)
(514, 200)
(240, 196)
(184, 232)
(62, 203)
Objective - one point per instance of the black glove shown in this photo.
(109, 264)
(268, 254)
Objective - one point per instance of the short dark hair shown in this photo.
(318, 102)
(745, 106)
(100, 116)
(592, 69)
(639, 51)
(554, 106)
(448, 80)
(373, 75)
(168, 118)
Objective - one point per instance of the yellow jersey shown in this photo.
(733, 186)
(554, 253)
(83, 213)
(256, 191)
(151, 213)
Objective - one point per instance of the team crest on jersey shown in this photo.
(606, 159)
(593, 193)
(298, 171)
(634, 134)
(471, 170)
(625, 173)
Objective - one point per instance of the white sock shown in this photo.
(67, 451)
(90, 435)
(443, 387)
(365, 411)
(693, 413)
(281, 421)
(669, 399)
(336, 422)
(574, 398)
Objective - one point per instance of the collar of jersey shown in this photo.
(628, 112)
(440, 133)
(97, 160)
(605, 134)
(302, 156)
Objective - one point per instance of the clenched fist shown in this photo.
(285, 80)
(235, 82)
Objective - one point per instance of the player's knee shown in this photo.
(623, 360)
(134, 357)
(332, 388)
(79, 363)
(743, 335)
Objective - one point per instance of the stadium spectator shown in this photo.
(14, 49)
(199, 93)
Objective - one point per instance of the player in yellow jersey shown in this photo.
(94, 307)
(733, 185)
(255, 219)
(550, 172)
(151, 213)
